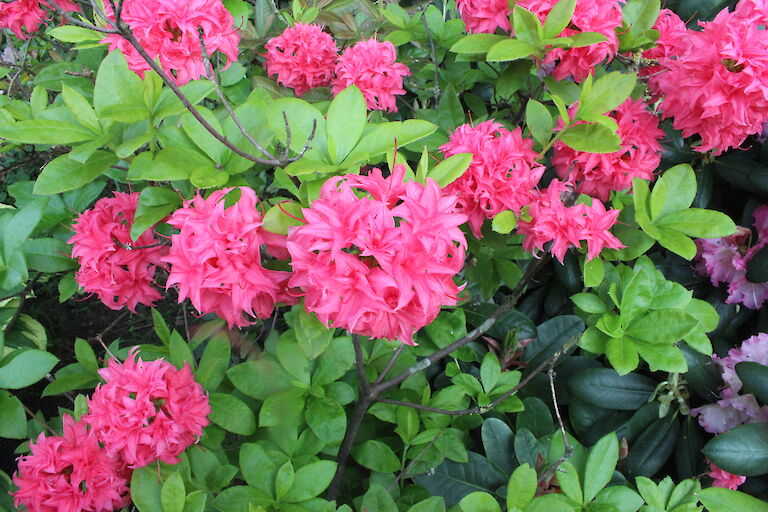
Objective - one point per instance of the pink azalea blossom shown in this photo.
(603, 16)
(23, 17)
(755, 11)
(109, 265)
(168, 31)
(147, 410)
(216, 258)
(671, 41)
(71, 473)
(484, 16)
(380, 265)
(502, 176)
(302, 57)
(640, 154)
(372, 66)
(725, 479)
(717, 86)
(566, 226)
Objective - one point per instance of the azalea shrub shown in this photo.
(333, 255)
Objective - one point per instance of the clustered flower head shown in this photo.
(672, 34)
(640, 154)
(725, 260)
(717, 85)
(503, 173)
(71, 473)
(23, 17)
(550, 220)
(372, 66)
(147, 410)
(603, 16)
(302, 57)
(383, 264)
(109, 265)
(216, 258)
(484, 16)
(168, 31)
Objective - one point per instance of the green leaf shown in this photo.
(453, 480)
(698, 223)
(539, 120)
(433, 504)
(607, 92)
(173, 493)
(24, 367)
(521, 487)
(755, 379)
(155, 203)
(526, 25)
(504, 222)
(622, 354)
(510, 49)
(13, 420)
(169, 104)
(379, 499)
(73, 34)
(490, 371)
(301, 117)
(594, 272)
(450, 169)
(498, 442)
(45, 131)
(214, 362)
(476, 43)
(284, 480)
(622, 499)
(601, 462)
(118, 94)
(145, 489)
(589, 303)
(674, 191)
(583, 39)
(605, 388)
(741, 450)
(591, 138)
(479, 502)
(718, 499)
(662, 326)
(334, 362)
(559, 17)
(654, 446)
(382, 138)
(568, 480)
(676, 242)
(85, 355)
(202, 138)
(345, 122)
(282, 216)
(327, 420)
(377, 456)
(311, 480)
(81, 108)
(232, 414)
(48, 255)
(63, 174)
(757, 268)
(284, 408)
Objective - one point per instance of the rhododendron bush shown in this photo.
(414, 256)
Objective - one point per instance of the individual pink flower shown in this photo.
(147, 410)
(71, 473)
(754, 349)
(755, 11)
(640, 154)
(566, 226)
(168, 31)
(484, 16)
(725, 479)
(381, 265)
(730, 412)
(503, 173)
(671, 41)
(113, 266)
(23, 17)
(302, 57)
(216, 258)
(717, 86)
(372, 66)
(603, 16)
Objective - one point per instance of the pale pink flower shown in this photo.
(147, 410)
(730, 412)
(110, 266)
(640, 154)
(24, 17)
(603, 16)
(380, 265)
(754, 349)
(168, 31)
(567, 226)
(502, 176)
(484, 16)
(302, 57)
(372, 66)
(717, 86)
(216, 258)
(725, 479)
(71, 473)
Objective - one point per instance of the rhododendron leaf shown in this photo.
(208, 176)
(476, 43)
(718, 499)
(284, 480)
(327, 420)
(450, 169)
(155, 204)
(173, 493)
(677, 243)
(259, 378)
(703, 312)
(67, 287)
(568, 480)
(755, 379)
(514, 78)
(605, 388)
(240, 498)
(663, 326)
(168, 103)
(285, 408)
(640, 15)
(589, 303)
(282, 216)
(63, 173)
(201, 137)
(539, 121)
(757, 268)
(674, 191)
(145, 489)
(559, 17)
(521, 487)
(81, 108)
(535, 418)
(526, 25)
(490, 370)
(622, 354)
(306, 165)
(232, 414)
(591, 138)
(433, 504)
(24, 367)
(311, 480)
(13, 420)
(118, 94)
(699, 223)
(45, 131)
(345, 122)
(334, 362)
(179, 351)
(511, 49)
(292, 358)
(551, 336)
(606, 93)
(652, 449)
(594, 272)
(195, 501)
(85, 355)
(377, 456)
(214, 362)
(741, 450)
(128, 147)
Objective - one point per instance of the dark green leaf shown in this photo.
(757, 268)
(498, 442)
(377, 456)
(453, 480)
(13, 420)
(606, 388)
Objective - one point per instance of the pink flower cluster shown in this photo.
(566, 226)
(216, 258)
(602, 16)
(715, 82)
(23, 17)
(502, 176)
(484, 16)
(304, 57)
(724, 479)
(168, 31)
(109, 267)
(672, 34)
(381, 265)
(599, 174)
(725, 260)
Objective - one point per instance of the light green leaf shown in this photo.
(504, 222)
(510, 49)
(173, 493)
(81, 108)
(601, 462)
(311, 480)
(232, 414)
(607, 92)
(479, 502)
(155, 203)
(118, 94)
(521, 487)
(539, 120)
(559, 17)
(345, 122)
(63, 174)
(377, 456)
(450, 169)
(718, 499)
(591, 138)
(45, 131)
(674, 191)
(698, 223)
(13, 420)
(476, 43)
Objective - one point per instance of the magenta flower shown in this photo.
(484, 16)
(216, 258)
(302, 57)
(147, 410)
(381, 265)
(109, 265)
(671, 41)
(372, 66)
(71, 473)
(640, 154)
(168, 30)
(502, 176)
(725, 479)
(23, 17)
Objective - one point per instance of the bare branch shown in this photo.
(390, 364)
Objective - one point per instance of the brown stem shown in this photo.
(38, 419)
(390, 364)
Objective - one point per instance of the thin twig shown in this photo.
(567, 448)
(38, 419)
(22, 299)
(359, 364)
(100, 337)
(390, 364)
(407, 469)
